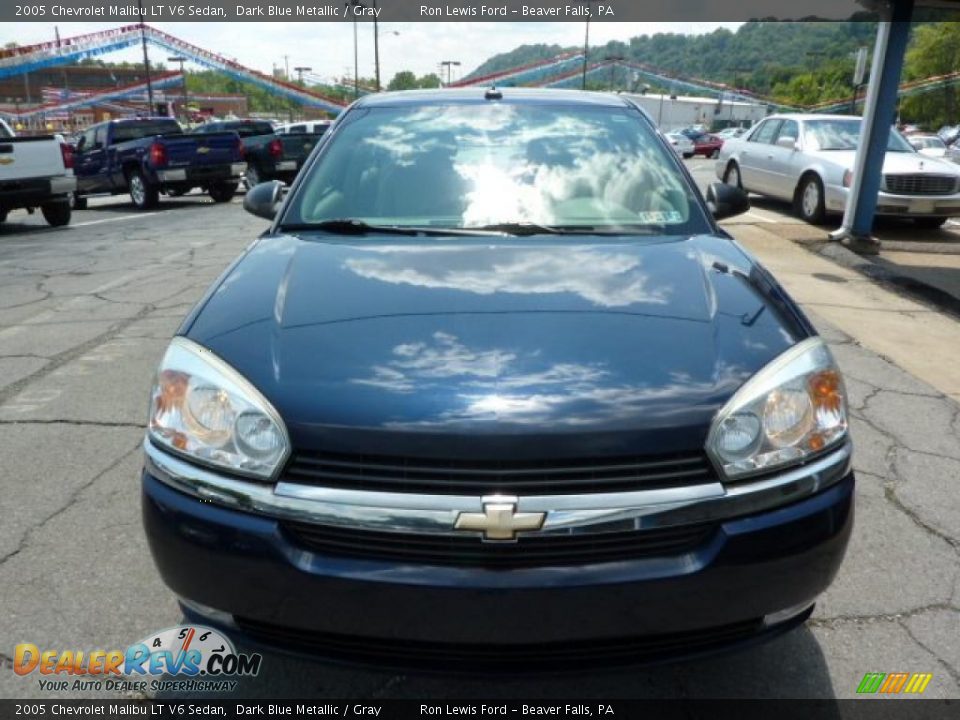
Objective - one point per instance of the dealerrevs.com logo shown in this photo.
(181, 658)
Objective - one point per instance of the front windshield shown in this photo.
(843, 134)
(475, 165)
(927, 142)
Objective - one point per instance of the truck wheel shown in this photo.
(57, 213)
(252, 176)
(78, 202)
(143, 194)
(223, 192)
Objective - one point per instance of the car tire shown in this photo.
(808, 200)
(223, 192)
(687, 156)
(731, 176)
(142, 193)
(929, 223)
(251, 177)
(57, 214)
(78, 202)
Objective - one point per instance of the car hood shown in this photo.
(893, 162)
(614, 344)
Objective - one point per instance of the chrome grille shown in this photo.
(920, 184)
(545, 550)
(485, 477)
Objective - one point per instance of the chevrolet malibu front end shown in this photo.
(495, 391)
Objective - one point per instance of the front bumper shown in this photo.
(757, 574)
(898, 205)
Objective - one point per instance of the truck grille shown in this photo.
(920, 184)
(469, 551)
(467, 477)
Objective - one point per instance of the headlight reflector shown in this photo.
(202, 408)
(793, 408)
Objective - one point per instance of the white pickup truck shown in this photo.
(36, 172)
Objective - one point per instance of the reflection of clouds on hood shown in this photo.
(605, 278)
(579, 403)
(418, 365)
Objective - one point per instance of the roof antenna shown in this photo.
(493, 94)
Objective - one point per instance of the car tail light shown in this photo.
(158, 155)
(66, 150)
(275, 148)
(241, 150)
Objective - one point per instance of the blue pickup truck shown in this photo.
(147, 156)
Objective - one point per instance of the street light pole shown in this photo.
(586, 46)
(376, 45)
(146, 60)
(448, 64)
(300, 70)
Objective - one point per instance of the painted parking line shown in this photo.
(760, 218)
(110, 220)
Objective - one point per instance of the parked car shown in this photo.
(707, 145)
(36, 172)
(494, 389)
(730, 132)
(307, 127)
(269, 156)
(149, 156)
(929, 145)
(681, 144)
(809, 159)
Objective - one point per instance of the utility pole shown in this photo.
(286, 67)
(586, 46)
(146, 60)
(613, 60)
(300, 70)
(376, 45)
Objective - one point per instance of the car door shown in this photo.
(782, 161)
(89, 165)
(754, 158)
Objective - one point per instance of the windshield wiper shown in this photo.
(529, 228)
(353, 226)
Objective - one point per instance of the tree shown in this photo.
(403, 80)
(934, 50)
(429, 81)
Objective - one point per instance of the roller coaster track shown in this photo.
(17, 61)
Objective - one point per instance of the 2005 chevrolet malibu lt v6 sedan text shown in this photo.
(495, 390)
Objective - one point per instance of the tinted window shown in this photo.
(842, 134)
(297, 129)
(136, 129)
(766, 132)
(249, 128)
(474, 165)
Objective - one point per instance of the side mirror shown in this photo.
(790, 143)
(263, 200)
(726, 200)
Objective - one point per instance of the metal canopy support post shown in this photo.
(879, 112)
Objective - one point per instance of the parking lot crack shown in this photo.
(951, 671)
(68, 503)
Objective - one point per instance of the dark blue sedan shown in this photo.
(495, 391)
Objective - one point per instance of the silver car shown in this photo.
(681, 144)
(809, 159)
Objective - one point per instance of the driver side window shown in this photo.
(766, 132)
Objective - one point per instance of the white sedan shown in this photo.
(681, 144)
(809, 159)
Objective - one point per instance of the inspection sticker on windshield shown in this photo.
(660, 217)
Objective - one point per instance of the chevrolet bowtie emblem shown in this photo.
(203, 149)
(500, 519)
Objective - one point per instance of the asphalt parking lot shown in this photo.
(85, 314)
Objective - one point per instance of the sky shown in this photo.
(327, 47)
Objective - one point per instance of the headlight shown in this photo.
(792, 409)
(203, 409)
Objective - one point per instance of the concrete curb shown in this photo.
(885, 273)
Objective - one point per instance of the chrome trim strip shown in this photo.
(437, 514)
